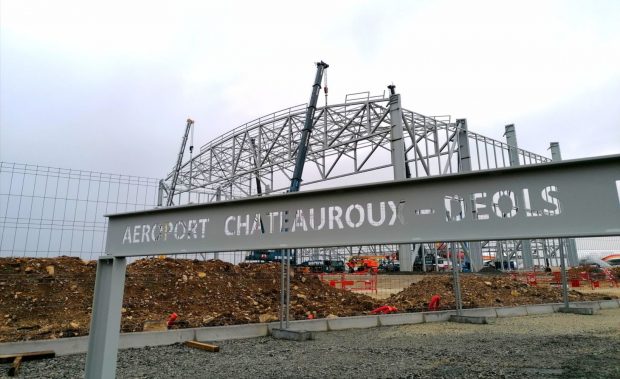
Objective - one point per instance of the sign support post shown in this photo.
(106, 318)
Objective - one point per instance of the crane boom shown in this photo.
(302, 150)
(259, 188)
(177, 168)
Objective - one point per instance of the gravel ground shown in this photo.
(548, 346)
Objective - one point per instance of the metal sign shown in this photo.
(566, 199)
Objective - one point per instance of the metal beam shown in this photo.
(513, 152)
(397, 146)
(106, 318)
(556, 154)
(535, 201)
(571, 246)
(474, 248)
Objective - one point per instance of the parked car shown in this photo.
(498, 265)
(431, 265)
(388, 265)
(599, 263)
(324, 266)
(613, 259)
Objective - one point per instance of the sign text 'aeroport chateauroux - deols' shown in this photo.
(578, 198)
(455, 208)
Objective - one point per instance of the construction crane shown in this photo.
(177, 168)
(302, 150)
(259, 188)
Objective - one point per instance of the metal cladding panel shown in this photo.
(566, 199)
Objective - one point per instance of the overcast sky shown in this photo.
(108, 85)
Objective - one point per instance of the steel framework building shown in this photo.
(357, 141)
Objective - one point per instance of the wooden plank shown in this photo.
(14, 370)
(29, 356)
(203, 346)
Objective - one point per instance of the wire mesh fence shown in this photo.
(48, 211)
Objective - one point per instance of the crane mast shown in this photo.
(177, 168)
(302, 150)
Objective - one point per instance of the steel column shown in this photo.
(475, 248)
(571, 246)
(397, 145)
(513, 153)
(556, 154)
(106, 318)
(160, 193)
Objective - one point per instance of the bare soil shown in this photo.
(52, 297)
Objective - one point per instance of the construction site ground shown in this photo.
(52, 298)
(546, 346)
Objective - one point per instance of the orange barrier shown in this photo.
(610, 277)
(575, 281)
(359, 282)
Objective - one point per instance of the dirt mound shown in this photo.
(52, 298)
(42, 302)
(491, 271)
(45, 297)
(479, 291)
(219, 293)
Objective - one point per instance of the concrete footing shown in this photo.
(578, 310)
(468, 319)
(291, 335)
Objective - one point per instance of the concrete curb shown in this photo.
(441, 316)
(587, 304)
(291, 335)
(479, 320)
(233, 332)
(480, 312)
(355, 322)
(511, 312)
(579, 310)
(540, 309)
(141, 339)
(319, 325)
(609, 304)
(401, 319)
(65, 346)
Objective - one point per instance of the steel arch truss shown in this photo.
(348, 139)
(350, 143)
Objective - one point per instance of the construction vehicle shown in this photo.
(177, 167)
(431, 263)
(302, 150)
(364, 263)
(264, 256)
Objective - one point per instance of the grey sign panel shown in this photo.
(566, 199)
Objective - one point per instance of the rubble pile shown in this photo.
(37, 304)
(479, 291)
(45, 297)
(219, 293)
(52, 297)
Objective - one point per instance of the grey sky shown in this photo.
(107, 86)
